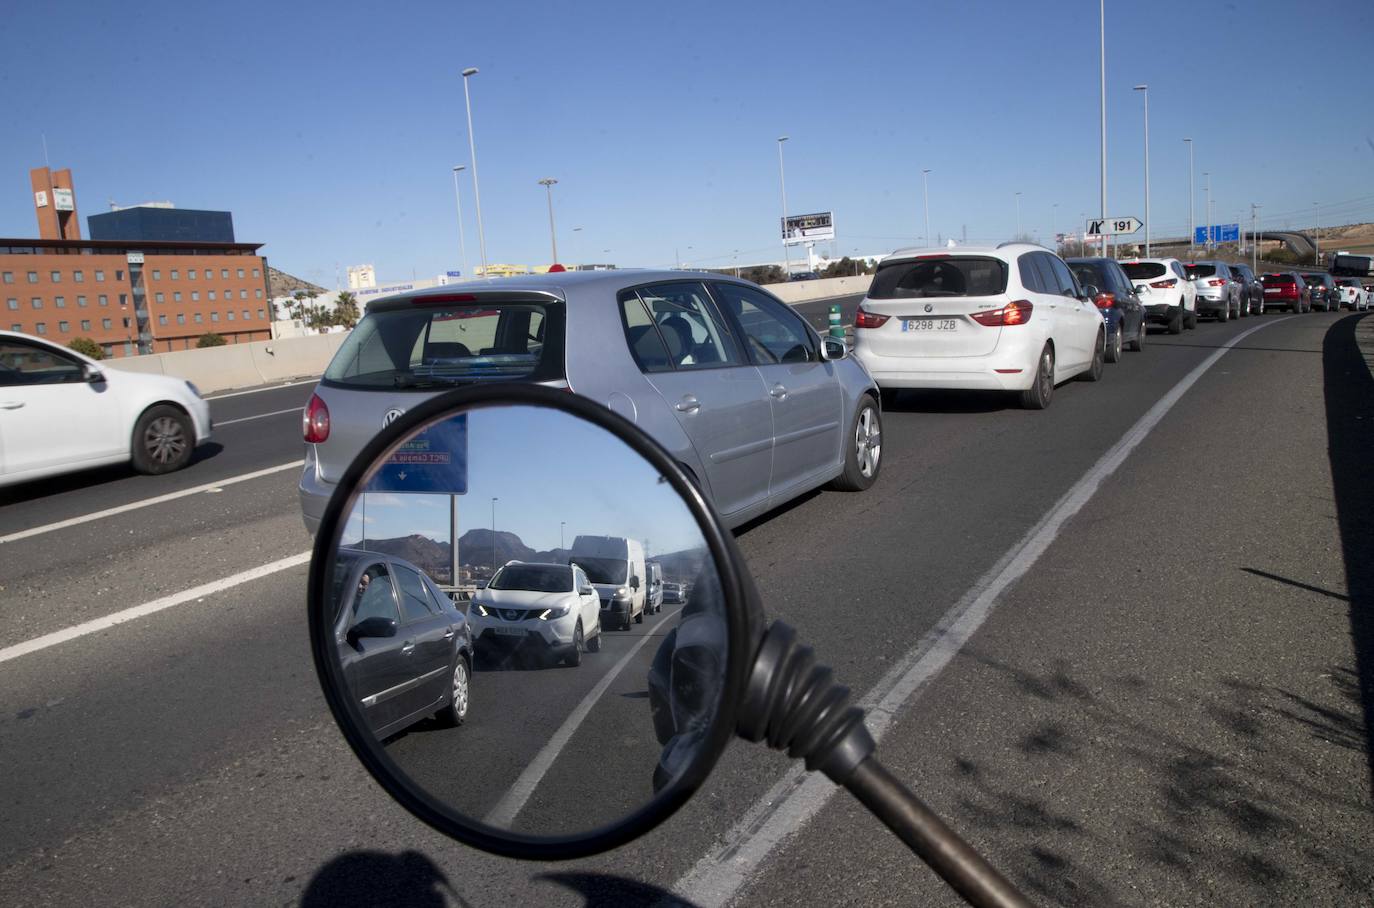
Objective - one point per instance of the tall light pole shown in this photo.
(1102, 61)
(1207, 211)
(782, 181)
(548, 183)
(472, 149)
(1146, 89)
(1254, 236)
(925, 191)
(1018, 217)
(1192, 225)
(458, 198)
(561, 525)
(1317, 232)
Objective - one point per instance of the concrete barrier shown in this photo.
(802, 291)
(214, 369)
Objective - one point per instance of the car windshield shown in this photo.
(604, 570)
(1090, 273)
(1196, 271)
(437, 345)
(937, 277)
(1277, 279)
(538, 578)
(1143, 271)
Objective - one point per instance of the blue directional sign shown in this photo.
(455, 274)
(1221, 233)
(435, 459)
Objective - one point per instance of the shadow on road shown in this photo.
(1350, 435)
(87, 479)
(375, 879)
(938, 401)
(604, 891)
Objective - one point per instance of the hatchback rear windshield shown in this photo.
(539, 578)
(1196, 271)
(1143, 271)
(939, 277)
(428, 346)
(1348, 282)
(1277, 279)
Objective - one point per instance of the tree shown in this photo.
(346, 310)
(211, 339)
(763, 274)
(86, 347)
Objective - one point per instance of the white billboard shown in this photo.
(808, 228)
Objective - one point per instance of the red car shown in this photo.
(1286, 290)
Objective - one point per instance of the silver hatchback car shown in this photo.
(730, 380)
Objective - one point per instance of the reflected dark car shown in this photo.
(1286, 290)
(405, 648)
(1122, 311)
(1251, 290)
(1325, 295)
(804, 276)
(672, 593)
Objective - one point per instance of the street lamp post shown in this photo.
(562, 524)
(1317, 234)
(1102, 62)
(458, 198)
(1254, 236)
(472, 149)
(782, 181)
(925, 191)
(548, 183)
(1207, 211)
(1146, 90)
(1192, 225)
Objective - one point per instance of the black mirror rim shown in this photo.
(736, 587)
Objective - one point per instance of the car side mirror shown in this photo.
(1090, 293)
(833, 348)
(1139, 288)
(634, 582)
(376, 626)
(92, 375)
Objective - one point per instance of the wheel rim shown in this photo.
(868, 442)
(577, 639)
(1046, 377)
(165, 440)
(460, 688)
(1116, 345)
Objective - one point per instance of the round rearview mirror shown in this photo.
(484, 638)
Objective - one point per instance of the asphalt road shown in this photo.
(1171, 706)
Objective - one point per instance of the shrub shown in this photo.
(86, 347)
(211, 339)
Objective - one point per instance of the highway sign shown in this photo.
(1221, 233)
(435, 459)
(1114, 225)
(808, 228)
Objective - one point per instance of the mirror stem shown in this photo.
(796, 705)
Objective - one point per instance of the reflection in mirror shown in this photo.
(493, 627)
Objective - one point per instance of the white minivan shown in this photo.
(615, 566)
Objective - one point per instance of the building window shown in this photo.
(176, 296)
(158, 296)
(229, 315)
(214, 316)
(195, 296)
(181, 318)
(124, 299)
(240, 272)
(56, 276)
(262, 314)
(224, 274)
(256, 273)
(33, 277)
(16, 327)
(243, 294)
(60, 302)
(64, 326)
(36, 303)
(85, 324)
(103, 300)
(40, 328)
(176, 275)
(79, 276)
(81, 302)
(119, 275)
(109, 350)
(12, 303)
(246, 315)
(199, 318)
(209, 294)
(106, 324)
(99, 275)
(157, 274)
(9, 277)
(190, 274)
(258, 293)
(162, 319)
(228, 293)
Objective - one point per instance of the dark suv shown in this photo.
(1251, 290)
(1122, 311)
(1325, 293)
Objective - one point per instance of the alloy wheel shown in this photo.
(868, 442)
(165, 440)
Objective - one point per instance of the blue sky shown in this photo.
(329, 129)
(545, 467)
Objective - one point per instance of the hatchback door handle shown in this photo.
(11, 405)
(450, 634)
(407, 649)
(778, 392)
(688, 404)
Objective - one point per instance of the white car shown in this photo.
(1009, 318)
(1353, 293)
(1169, 298)
(61, 411)
(551, 610)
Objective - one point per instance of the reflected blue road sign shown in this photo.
(433, 460)
(1221, 233)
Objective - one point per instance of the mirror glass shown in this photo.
(493, 627)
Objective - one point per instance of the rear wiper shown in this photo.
(405, 380)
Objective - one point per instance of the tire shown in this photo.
(863, 449)
(163, 440)
(639, 619)
(455, 713)
(1224, 314)
(574, 659)
(1139, 343)
(1115, 347)
(594, 644)
(1190, 319)
(1176, 323)
(1041, 391)
(1095, 370)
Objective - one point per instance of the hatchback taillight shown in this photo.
(1164, 285)
(1105, 300)
(1217, 282)
(315, 421)
(865, 319)
(1017, 312)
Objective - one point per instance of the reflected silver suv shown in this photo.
(731, 381)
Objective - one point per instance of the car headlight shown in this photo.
(553, 614)
(622, 593)
(481, 609)
(194, 389)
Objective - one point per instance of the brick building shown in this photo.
(129, 296)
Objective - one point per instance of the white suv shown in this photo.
(1009, 318)
(550, 610)
(1164, 289)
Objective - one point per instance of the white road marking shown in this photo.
(215, 486)
(798, 796)
(148, 608)
(288, 384)
(504, 813)
(230, 422)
